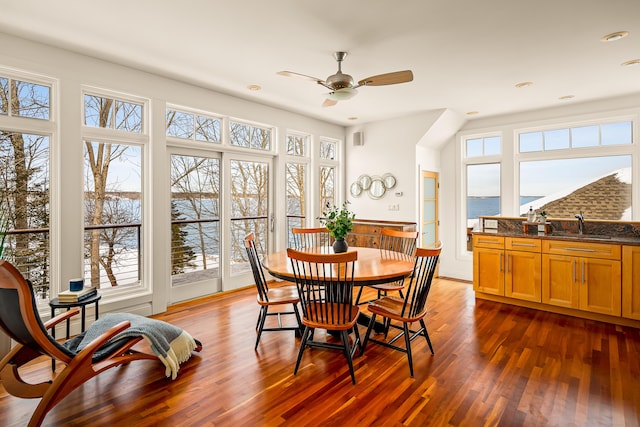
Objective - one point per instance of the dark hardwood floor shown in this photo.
(494, 364)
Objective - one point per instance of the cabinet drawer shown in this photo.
(523, 245)
(581, 249)
(484, 241)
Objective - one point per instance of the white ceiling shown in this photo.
(466, 55)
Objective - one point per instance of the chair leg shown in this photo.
(359, 294)
(303, 345)
(426, 335)
(368, 333)
(407, 341)
(347, 353)
(357, 344)
(300, 326)
(261, 320)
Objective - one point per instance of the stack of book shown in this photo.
(75, 296)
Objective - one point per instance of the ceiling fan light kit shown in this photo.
(343, 86)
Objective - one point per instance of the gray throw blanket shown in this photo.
(170, 343)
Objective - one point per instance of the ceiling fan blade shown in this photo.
(387, 79)
(329, 102)
(300, 76)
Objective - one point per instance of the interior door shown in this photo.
(429, 209)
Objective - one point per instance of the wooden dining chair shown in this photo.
(269, 297)
(400, 243)
(411, 308)
(315, 237)
(325, 286)
(19, 319)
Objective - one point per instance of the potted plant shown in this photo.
(339, 222)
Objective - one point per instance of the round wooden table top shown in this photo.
(374, 266)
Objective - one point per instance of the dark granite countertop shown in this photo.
(591, 238)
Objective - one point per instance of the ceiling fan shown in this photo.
(343, 87)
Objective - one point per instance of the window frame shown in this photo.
(142, 139)
(578, 152)
(48, 128)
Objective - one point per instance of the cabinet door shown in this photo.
(560, 281)
(488, 271)
(522, 278)
(631, 282)
(599, 281)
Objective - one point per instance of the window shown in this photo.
(600, 187)
(24, 205)
(27, 99)
(568, 170)
(297, 145)
(250, 136)
(185, 125)
(327, 187)
(296, 178)
(328, 173)
(482, 172)
(25, 177)
(483, 191)
(616, 133)
(327, 150)
(112, 113)
(487, 146)
(195, 218)
(113, 197)
(249, 189)
(113, 213)
(296, 181)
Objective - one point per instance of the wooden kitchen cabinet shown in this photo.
(488, 264)
(507, 267)
(584, 276)
(523, 269)
(631, 282)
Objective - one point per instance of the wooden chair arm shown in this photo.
(61, 317)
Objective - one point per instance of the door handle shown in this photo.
(272, 223)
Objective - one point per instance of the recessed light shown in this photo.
(565, 97)
(523, 84)
(472, 113)
(614, 36)
(631, 63)
(254, 87)
(352, 118)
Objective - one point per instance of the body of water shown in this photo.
(490, 206)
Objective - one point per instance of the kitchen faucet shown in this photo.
(580, 222)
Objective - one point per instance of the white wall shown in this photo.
(389, 147)
(74, 70)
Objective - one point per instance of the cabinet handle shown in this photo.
(583, 272)
(574, 270)
(528, 245)
(580, 250)
(501, 267)
(508, 262)
(491, 242)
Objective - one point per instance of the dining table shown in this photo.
(373, 266)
